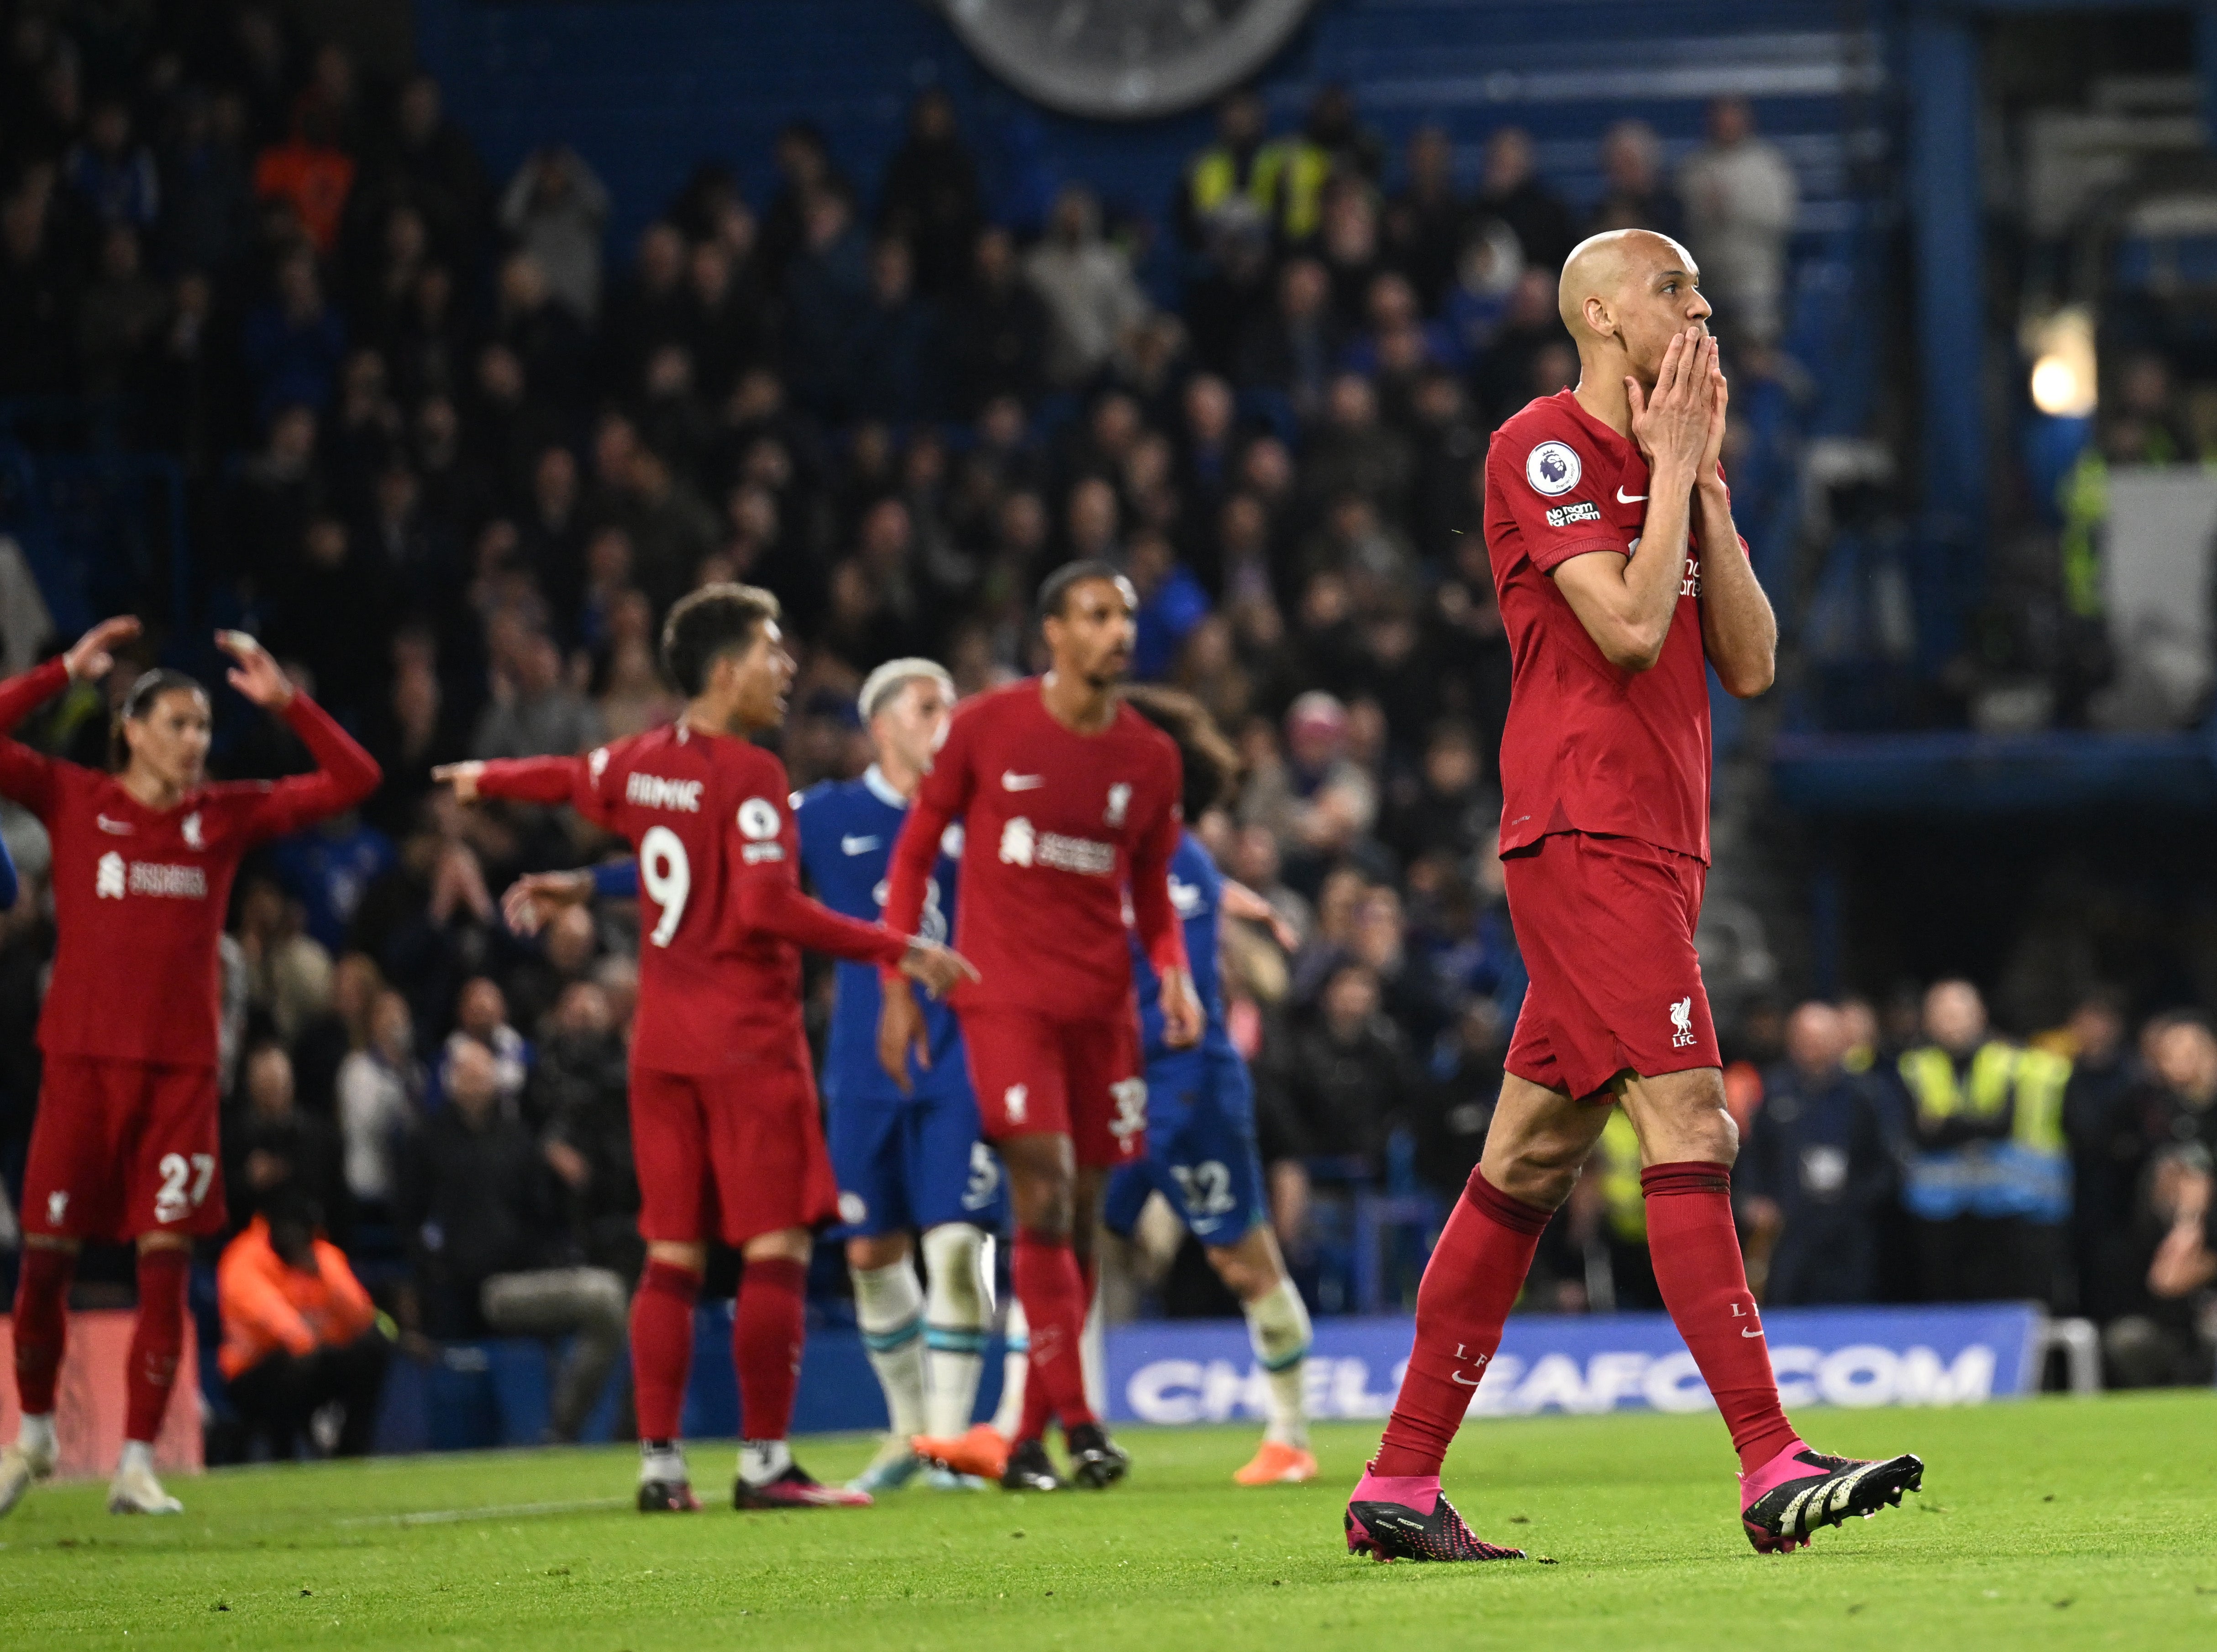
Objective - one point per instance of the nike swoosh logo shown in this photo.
(1754, 1333)
(120, 828)
(1468, 1382)
(1623, 498)
(857, 845)
(1013, 782)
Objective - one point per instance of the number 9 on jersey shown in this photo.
(667, 877)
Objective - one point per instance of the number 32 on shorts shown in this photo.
(184, 1185)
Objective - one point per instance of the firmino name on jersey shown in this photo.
(113, 880)
(653, 792)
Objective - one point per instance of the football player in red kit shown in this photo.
(1622, 580)
(124, 1146)
(1068, 800)
(725, 1127)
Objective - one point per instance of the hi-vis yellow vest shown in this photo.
(1286, 184)
(2000, 1073)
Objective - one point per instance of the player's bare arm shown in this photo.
(1626, 602)
(1739, 633)
(938, 970)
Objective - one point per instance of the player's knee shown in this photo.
(953, 1254)
(1540, 1173)
(688, 1255)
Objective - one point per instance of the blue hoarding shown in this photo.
(1192, 1371)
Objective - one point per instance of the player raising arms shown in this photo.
(905, 1156)
(724, 1119)
(124, 1146)
(1067, 798)
(1621, 574)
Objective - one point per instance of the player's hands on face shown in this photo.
(258, 674)
(94, 656)
(1672, 424)
(937, 968)
(1183, 1021)
(462, 777)
(1713, 455)
(900, 1031)
(533, 898)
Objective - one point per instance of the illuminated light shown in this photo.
(2057, 389)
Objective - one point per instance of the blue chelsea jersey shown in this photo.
(1197, 893)
(847, 833)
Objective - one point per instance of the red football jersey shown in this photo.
(1055, 826)
(722, 919)
(1589, 748)
(140, 895)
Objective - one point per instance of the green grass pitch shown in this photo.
(2054, 1522)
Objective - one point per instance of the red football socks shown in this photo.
(41, 1325)
(766, 1337)
(662, 1347)
(1695, 1251)
(157, 1341)
(1045, 1270)
(1475, 1275)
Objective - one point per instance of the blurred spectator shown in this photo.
(380, 1092)
(1509, 190)
(288, 973)
(481, 1020)
(1334, 1085)
(112, 174)
(1425, 223)
(2106, 1154)
(1988, 1182)
(1815, 1174)
(536, 711)
(1634, 194)
(1740, 201)
(556, 209)
(310, 174)
(1092, 302)
(579, 1089)
(273, 1152)
(493, 1255)
(300, 1335)
(294, 343)
(929, 198)
(1000, 327)
(1237, 179)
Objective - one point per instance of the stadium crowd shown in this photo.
(452, 460)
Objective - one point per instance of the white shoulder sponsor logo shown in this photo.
(1563, 515)
(191, 829)
(1682, 1023)
(1013, 782)
(1553, 468)
(107, 877)
(648, 791)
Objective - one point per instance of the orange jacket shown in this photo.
(267, 1306)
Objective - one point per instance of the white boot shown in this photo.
(135, 1490)
(30, 1458)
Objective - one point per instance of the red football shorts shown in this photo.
(1037, 1073)
(1606, 926)
(122, 1148)
(730, 1155)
